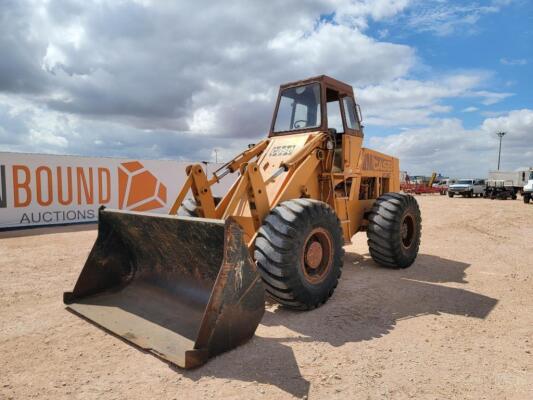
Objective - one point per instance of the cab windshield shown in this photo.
(299, 108)
(465, 182)
(531, 175)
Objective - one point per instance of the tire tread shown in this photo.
(383, 231)
(278, 262)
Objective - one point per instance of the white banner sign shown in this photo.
(40, 189)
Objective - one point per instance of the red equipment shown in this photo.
(422, 188)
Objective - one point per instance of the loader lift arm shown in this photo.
(251, 183)
(198, 182)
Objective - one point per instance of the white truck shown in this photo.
(467, 188)
(527, 191)
(505, 184)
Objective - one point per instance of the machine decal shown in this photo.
(375, 163)
(279, 151)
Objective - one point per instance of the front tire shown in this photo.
(299, 253)
(394, 230)
(526, 198)
(450, 194)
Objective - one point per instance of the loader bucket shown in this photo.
(184, 289)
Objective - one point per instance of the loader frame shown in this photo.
(308, 172)
(192, 286)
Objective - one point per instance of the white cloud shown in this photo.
(147, 64)
(470, 109)
(383, 33)
(445, 17)
(447, 147)
(150, 65)
(490, 98)
(356, 13)
(203, 121)
(147, 78)
(518, 124)
(515, 61)
(340, 51)
(415, 102)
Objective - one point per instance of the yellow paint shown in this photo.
(291, 166)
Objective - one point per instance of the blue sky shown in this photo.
(147, 79)
(499, 43)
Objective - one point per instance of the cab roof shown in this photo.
(328, 81)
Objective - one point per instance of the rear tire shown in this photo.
(394, 230)
(299, 253)
(189, 208)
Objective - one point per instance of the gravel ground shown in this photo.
(457, 324)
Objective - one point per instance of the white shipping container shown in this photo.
(508, 178)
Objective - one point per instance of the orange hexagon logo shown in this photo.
(139, 189)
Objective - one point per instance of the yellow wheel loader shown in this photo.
(192, 284)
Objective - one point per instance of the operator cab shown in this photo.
(318, 104)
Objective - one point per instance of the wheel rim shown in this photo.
(407, 230)
(317, 256)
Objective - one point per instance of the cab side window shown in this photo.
(334, 116)
(351, 115)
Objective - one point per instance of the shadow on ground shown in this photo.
(370, 300)
(367, 305)
(262, 360)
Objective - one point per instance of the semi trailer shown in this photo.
(506, 184)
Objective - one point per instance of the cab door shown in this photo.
(342, 117)
(353, 138)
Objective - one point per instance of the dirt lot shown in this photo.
(457, 324)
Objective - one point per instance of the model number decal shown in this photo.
(282, 150)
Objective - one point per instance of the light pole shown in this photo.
(216, 155)
(500, 135)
